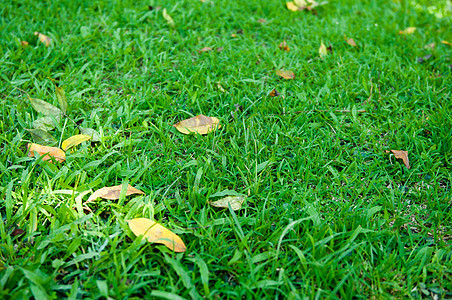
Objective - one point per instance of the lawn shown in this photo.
(330, 211)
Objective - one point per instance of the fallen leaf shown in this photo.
(283, 46)
(168, 18)
(61, 96)
(350, 41)
(300, 3)
(262, 21)
(74, 141)
(408, 30)
(199, 124)
(44, 123)
(423, 59)
(430, 46)
(446, 43)
(24, 43)
(41, 136)
(205, 49)
(322, 50)
(112, 192)
(291, 6)
(156, 233)
(225, 193)
(235, 202)
(403, 155)
(49, 152)
(44, 38)
(286, 74)
(45, 108)
(274, 93)
(219, 49)
(234, 35)
(95, 136)
(220, 87)
(17, 231)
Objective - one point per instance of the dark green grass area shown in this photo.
(329, 213)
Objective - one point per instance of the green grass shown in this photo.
(328, 215)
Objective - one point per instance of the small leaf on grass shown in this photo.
(156, 233)
(403, 155)
(423, 59)
(44, 123)
(322, 50)
(291, 6)
(446, 43)
(286, 74)
(41, 136)
(408, 31)
(74, 141)
(225, 193)
(95, 136)
(61, 98)
(44, 38)
(45, 108)
(205, 49)
(350, 41)
(24, 43)
(17, 231)
(112, 192)
(274, 93)
(283, 46)
(430, 46)
(262, 21)
(199, 124)
(49, 152)
(168, 18)
(235, 202)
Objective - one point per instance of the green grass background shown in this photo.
(328, 213)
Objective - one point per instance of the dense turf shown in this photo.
(329, 213)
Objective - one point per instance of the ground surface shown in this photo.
(329, 213)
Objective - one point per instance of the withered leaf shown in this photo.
(24, 43)
(95, 136)
(44, 123)
(322, 50)
(235, 202)
(205, 49)
(408, 31)
(41, 136)
(44, 38)
(49, 152)
(403, 155)
(446, 43)
(283, 46)
(17, 231)
(350, 41)
(74, 141)
(199, 124)
(61, 98)
(168, 18)
(156, 233)
(274, 93)
(112, 192)
(286, 74)
(262, 21)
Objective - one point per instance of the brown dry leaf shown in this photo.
(235, 202)
(274, 93)
(199, 124)
(446, 43)
(219, 49)
(49, 152)
(112, 193)
(44, 38)
(24, 43)
(156, 233)
(262, 21)
(286, 74)
(283, 46)
(408, 30)
(205, 49)
(403, 155)
(74, 141)
(350, 41)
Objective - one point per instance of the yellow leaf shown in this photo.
(446, 43)
(235, 202)
(156, 233)
(48, 152)
(300, 3)
(74, 141)
(291, 6)
(286, 74)
(24, 43)
(322, 50)
(199, 124)
(408, 30)
(112, 192)
(168, 18)
(44, 38)
(403, 155)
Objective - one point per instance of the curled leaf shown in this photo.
(403, 155)
(156, 233)
(74, 141)
(199, 124)
(235, 202)
(48, 152)
(408, 31)
(274, 93)
(286, 74)
(44, 38)
(112, 193)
